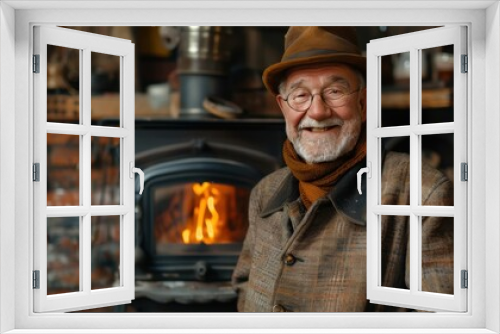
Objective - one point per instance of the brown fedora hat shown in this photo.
(315, 45)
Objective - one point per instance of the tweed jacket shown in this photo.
(295, 260)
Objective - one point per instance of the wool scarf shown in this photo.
(318, 179)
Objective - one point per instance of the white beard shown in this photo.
(325, 147)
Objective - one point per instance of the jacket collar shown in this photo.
(344, 196)
(287, 191)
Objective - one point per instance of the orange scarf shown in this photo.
(316, 180)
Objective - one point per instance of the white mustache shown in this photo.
(312, 123)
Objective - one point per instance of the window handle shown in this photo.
(368, 171)
(139, 171)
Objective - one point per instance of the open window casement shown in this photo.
(66, 226)
(411, 51)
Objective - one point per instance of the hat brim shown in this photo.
(273, 75)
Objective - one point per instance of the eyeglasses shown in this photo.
(300, 99)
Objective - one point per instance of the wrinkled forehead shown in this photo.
(327, 73)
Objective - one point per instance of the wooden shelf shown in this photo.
(431, 98)
(65, 108)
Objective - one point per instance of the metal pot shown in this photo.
(204, 55)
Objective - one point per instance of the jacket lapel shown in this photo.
(344, 196)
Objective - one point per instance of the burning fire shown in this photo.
(200, 213)
(204, 227)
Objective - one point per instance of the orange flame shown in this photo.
(205, 229)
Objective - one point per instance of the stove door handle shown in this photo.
(139, 171)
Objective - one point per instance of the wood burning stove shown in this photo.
(192, 216)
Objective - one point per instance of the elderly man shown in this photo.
(305, 249)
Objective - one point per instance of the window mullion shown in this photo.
(415, 93)
(433, 128)
(86, 171)
(66, 129)
(85, 246)
(66, 211)
(86, 137)
(392, 131)
(83, 186)
(108, 210)
(102, 131)
(394, 210)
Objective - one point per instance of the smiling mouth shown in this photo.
(320, 129)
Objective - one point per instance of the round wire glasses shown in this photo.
(300, 99)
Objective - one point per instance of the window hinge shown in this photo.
(465, 64)
(465, 279)
(36, 279)
(464, 171)
(36, 63)
(36, 172)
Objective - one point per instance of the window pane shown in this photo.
(396, 193)
(437, 153)
(63, 255)
(395, 252)
(105, 87)
(395, 97)
(63, 174)
(63, 84)
(437, 254)
(105, 251)
(105, 171)
(437, 84)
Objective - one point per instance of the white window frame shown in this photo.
(85, 297)
(16, 21)
(413, 44)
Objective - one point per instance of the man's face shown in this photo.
(324, 133)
